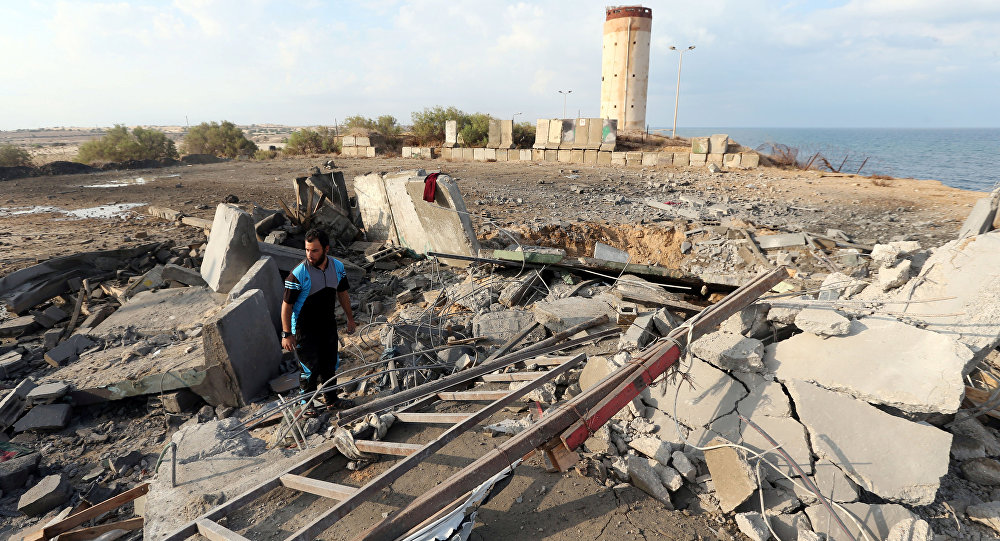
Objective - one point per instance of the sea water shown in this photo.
(967, 158)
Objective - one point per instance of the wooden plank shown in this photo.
(216, 532)
(432, 418)
(374, 486)
(463, 396)
(84, 534)
(513, 376)
(387, 447)
(325, 489)
(94, 511)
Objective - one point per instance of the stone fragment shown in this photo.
(750, 321)
(684, 466)
(877, 518)
(263, 275)
(838, 285)
(895, 276)
(51, 338)
(980, 219)
(47, 392)
(50, 316)
(788, 527)
(44, 417)
(664, 321)
(595, 370)
(918, 370)
(732, 475)
(730, 351)
(753, 525)
(645, 478)
(180, 401)
(653, 448)
(46, 495)
(15, 472)
(69, 350)
(965, 448)
(911, 529)
(987, 514)
(561, 314)
(502, 326)
(671, 478)
(884, 255)
(896, 459)
(971, 427)
(831, 482)
(822, 322)
(640, 333)
(183, 275)
(982, 471)
(231, 250)
(17, 326)
(809, 535)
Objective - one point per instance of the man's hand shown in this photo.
(351, 326)
(288, 343)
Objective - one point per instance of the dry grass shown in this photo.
(881, 180)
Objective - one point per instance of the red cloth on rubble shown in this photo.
(430, 187)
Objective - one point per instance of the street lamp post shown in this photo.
(515, 116)
(565, 95)
(677, 93)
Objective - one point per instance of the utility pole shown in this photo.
(565, 95)
(677, 93)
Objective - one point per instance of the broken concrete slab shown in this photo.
(894, 276)
(645, 478)
(653, 448)
(184, 275)
(69, 350)
(971, 427)
(632, 288)
(231, 249)
(753, 525)
(785, 240)
(44, 418)
(877, 518)
(446, 222)
(17, 326)
(156, 312)
(822, 322)
(917, 370)
(982, 471)
(831, 481)
(49, 493)
(896, 459)
(263, 275)
(610, 253)
(560, 314)
(788, 526)
(242, 341)
(49, 316)
(732, 475)
(14, 402)
(987, 514)
(838, 285)
(750, 322)
(962, 276)
(730, 351)
(911, 529)
(500, 327)
(16, 471)
(595, 370)
(48, 392)
(640, 333)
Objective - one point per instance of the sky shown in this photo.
(757, 63)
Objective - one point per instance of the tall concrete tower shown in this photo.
(625, 65)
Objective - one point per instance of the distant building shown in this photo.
(625, 65)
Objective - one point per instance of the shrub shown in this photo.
(224, 139)
(118, 145)
(306, 141)
(428, 125)
(475, 129)
(264, 155)
(524, 135)
(12, 156)
(359, 123)
(387, 126)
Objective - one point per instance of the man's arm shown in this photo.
(345, 302)
(287, 343)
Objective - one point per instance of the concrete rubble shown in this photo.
(866, 391)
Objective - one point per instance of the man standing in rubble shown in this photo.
(308, 316)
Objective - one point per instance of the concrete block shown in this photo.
(69, 350)
(730, 351)
(682, 159)
(17, 326)
(564, 155)
(877, 518)
(609, 133)
(714, 159)
(541, 133)
(731, 161)
(48, 392)
(783, 240)
(15, 472)
(445, 222)
(45, 417)
(610, 253)
(410, 233)
(749, 160)
(46, 495)
(639, 333)
(645, 478)
(369, 152)
(576, 156)
(560, 314)
(554, 135)
(980, 219)
(373, 204)
(604, 158)
(699, 145)
(892, 457)
(231, 250)
(918, 370)
(493, 133)
(653, 448)
(590, 157)
(895, 276)
(362, 141)
(823, 322)
(450, 133)
(753, 525)
(348, 141)
(500, 327)
(618, 158)
(183, 401)
(241, 342)
(718, 144)
(567, 136)
(501, 155)
(49, 317)
(446, 153)
(595, 133)
(697, 159)
(489, 154)
(526, 155)
(732, 475)
(537, 155)
(665, 158)
(550, 155)
(468, 154)
(506, 134)
(184, 275)
(633, 158)
(404, 152)
(581, 135)
(263, 275)
(650, 159)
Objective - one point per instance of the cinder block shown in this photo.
(666, 158)
(604, 157)
(749, 160)
(633, 158)
(369, 152)
(731, 160)
(527, 154)
(551, 155)
(404, 152)
(714, 158)
(698, 159)
(618, 158)
(699, 145)
(468, 154)
(718, 144)
(537, 155)
(650, 158)
(446, 153)
(501, 154)
(479, 154)
(490, 154)
(682, 159)
(590, 157)
(514, 154)
(564, 156)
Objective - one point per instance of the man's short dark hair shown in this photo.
(315, 234)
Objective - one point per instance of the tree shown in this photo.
(118, 145)
(524, 135)
(476, 129)
(306, 141)
(225, 139)
(359, 123)
(12, 156)
(428, 125)
(387, 126)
